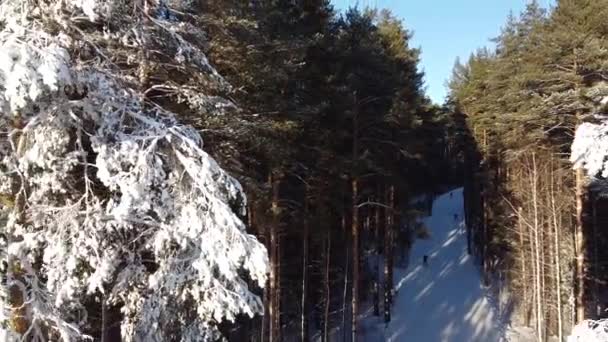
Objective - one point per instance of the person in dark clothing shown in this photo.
(455, 217)
(425, 260)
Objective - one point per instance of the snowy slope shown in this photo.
(444, 301)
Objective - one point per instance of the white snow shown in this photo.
(590, 148)
(444, 301)
(590, 331)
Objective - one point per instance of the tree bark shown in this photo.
(524, 274)
(539, 309)
(579, 240)
(376, 275)
(16, 293)
(274, 312)
(556, 247)
(305, 237)
(355, 219)
(345, 293)
(388, 254)
(327, 289)
(355, 246)
(596, 267)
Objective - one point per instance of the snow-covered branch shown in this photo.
(590, 331)
(110, 193)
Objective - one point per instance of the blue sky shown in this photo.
(446, 29)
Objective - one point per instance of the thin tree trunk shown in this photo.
(376, 275)
(264, 331)
(355, 242)
(388, 254)
(596, 272)
(579, 247)
(274, 307)
(355, 220)
(278, 289)
(305, 237)
(524, 274)
(539, 309)
(533, 264)
(556, 247)
(104, 319)
(327, 289)
(344, 294)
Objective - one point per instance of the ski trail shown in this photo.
(443, 301)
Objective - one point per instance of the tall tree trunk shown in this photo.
(265, 328)
(388, 253)
(533, 264)
(327, 289)
(484, 234)
(305, 238)
(355, 244)
(596, 267)
(346, 272)
(579, 240)
(466, 196)
(345, 293)
(539, 309)
(355, 219)
(524, 274)
(104, 319)
(376, 275)
(274, 312)
(556, 247)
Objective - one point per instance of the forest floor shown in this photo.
(443, 301)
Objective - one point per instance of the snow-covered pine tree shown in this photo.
(590, 152)
(590, 145)
(108, 201)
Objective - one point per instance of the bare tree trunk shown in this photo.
(376, 275)
(266, 319)
(274, 307)
(327, 289)
(344, 294)
(523, 265)
(388, 254)
(541, 248)
(539, 309)
(579, 240)
(533, 263)
(596, 269)
(346, 271)
(355, 219)
(484, 229)
(278, 288)
(104, 319)
(305, 238)
(355, 242)
(556, 247)
(264, 330)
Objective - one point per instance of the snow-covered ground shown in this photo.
(443, 301)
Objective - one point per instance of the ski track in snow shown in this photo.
(444, 301)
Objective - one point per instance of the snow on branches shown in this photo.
(589, 149)
(107, 199)
(590, 331)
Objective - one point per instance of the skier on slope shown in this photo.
(425, 260)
